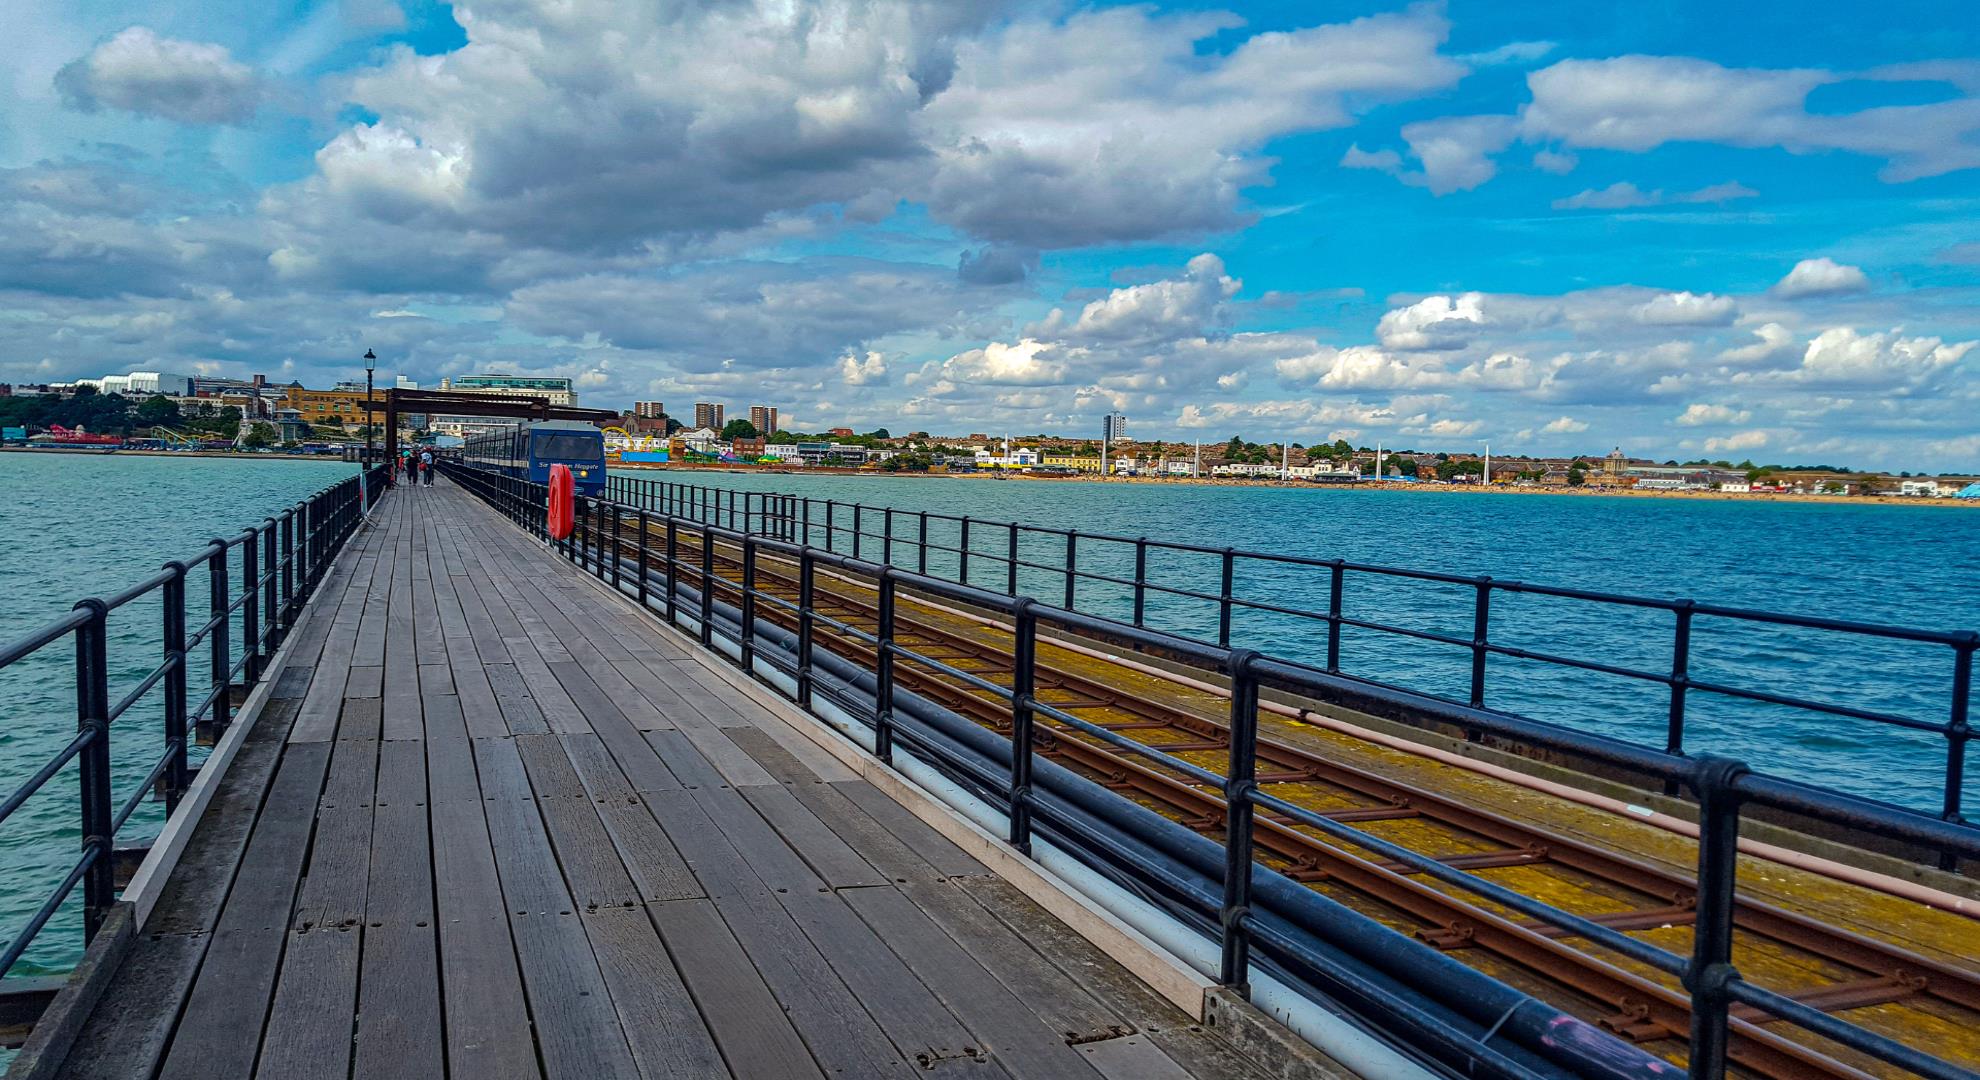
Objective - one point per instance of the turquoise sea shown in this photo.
(75, 525)
(1897, 564)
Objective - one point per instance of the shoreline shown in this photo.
(1366, 485)
(191, 455)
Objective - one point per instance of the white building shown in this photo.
(703, 440)
(1243, 469)
(1740, 487)
(142, 383)
(1921, 488)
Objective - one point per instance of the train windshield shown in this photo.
(571, 447)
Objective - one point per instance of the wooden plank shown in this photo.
(398, 1028)
(822, 849)
(597, 771)
(746, 1020)
(780, 763)
(487, 1020)
(1176, 1033)
(519, 710)
(685, 763)
(129, 1030)
(364, 682)
(665, 1032)
(362, 718)
(1065, 1007)
(577, 1028)
(886, 852)
(842, 1036)
(1015, 1035)
(435, 678)
(760, 848)
(310, 1025)
(501, 769)
(735, 765)
(221, 1030)
(444, 719)
(944, 856)
(669, 704)
(924, 1029)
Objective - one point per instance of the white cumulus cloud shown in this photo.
(1820, 277)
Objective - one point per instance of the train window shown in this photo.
(574, 447)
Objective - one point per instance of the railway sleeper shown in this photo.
(1635, 1024)
(1476, 860)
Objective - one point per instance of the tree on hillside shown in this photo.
(158, 411)
(1235, 447)
(739, 429)
(259, 434)
(878, 433)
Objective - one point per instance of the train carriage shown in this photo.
(528, 450)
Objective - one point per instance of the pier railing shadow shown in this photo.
(699, 560)
(255, 583)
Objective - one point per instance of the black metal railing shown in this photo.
(1255, 914)
(1106, 574)
(257, 581)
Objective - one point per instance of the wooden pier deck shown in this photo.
(493, 822)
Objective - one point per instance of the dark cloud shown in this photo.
(995, 266)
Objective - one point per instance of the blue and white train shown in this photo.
(528, 451)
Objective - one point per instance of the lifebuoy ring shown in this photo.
(562, 492)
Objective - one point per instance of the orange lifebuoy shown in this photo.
(562, 490)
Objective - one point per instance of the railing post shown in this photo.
(831, 529)
(271, 622)
(1140, 579)
(963, 547)
(887, 536)
(1680, 681)
(1224, 598)
(288, 568)
(859, 518)
(1239, 784)
(598, 540)
(806, 574)
(806, 541)
(1024, 675)
(642, 557)
(1072, 566)
(1959, 732)
(223, 660)
(1011, 586)
(673, 562)
(618, 545)
(749, 605)
(921, 546)
(883, 672)
(1339, 572)
(174, 608)
(1481, 616)
(1711, 970)
(93, 763)
(707, 584)
(250, 609)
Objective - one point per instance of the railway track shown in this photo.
(1876, 984)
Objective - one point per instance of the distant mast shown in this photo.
(1488, 463)
(1379, 474)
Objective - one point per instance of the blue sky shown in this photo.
(1732, 231)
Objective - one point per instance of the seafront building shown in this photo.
(558, 390)
(708, 414)
(764, 419)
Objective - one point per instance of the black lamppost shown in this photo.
(370, 418)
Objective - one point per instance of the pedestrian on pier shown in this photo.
(426, 466)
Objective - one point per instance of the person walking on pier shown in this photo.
(426, 466)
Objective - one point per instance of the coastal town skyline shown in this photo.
(1430, 224)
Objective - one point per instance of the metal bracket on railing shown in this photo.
(1711, 969)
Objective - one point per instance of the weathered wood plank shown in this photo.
(747, 1021)
(309, 1028)
(829, 856)
(1015, 1035)
(665, 1032)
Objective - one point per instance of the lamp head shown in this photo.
(370, 360)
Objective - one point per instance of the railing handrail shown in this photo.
(840, 520)
(1723, 786)
(281, 565)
